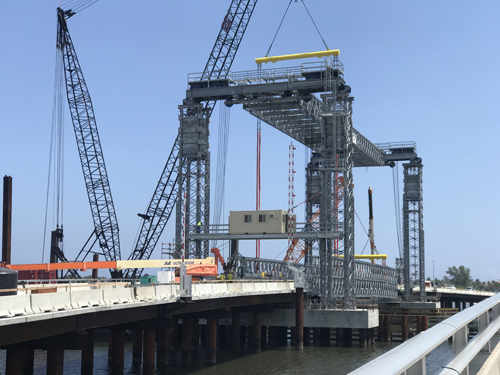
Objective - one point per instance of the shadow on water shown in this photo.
(271, 361)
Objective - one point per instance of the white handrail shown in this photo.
(409, 357)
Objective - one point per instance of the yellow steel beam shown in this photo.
(369, 256)
(330, 52)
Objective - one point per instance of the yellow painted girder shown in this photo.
(319, 54)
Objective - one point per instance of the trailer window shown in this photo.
(248, 218)
(262, 218)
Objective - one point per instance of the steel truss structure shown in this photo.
(89, 145)
(311, 104)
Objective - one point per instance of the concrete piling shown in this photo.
(148, 357)
(235, 331)
(211, 340)
(117, 350)
(87, 365)
(161, 346)
(137, 347)
(404, 328)
(256, 332)
(299, 318)
(55, 362)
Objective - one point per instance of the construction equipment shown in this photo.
(166, 193)
(114, 265)
(89, 145)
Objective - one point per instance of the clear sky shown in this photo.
(423, 71)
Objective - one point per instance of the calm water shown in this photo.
(281, 360)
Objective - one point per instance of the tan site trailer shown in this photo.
(258, 222)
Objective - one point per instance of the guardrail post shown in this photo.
(418, 368)
(460, 339)
(482, 323)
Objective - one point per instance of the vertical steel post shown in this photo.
(7, 220)
(55, 362)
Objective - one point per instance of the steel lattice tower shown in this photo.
(194, 167)
(413, 228)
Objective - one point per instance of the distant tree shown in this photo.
(460, 276)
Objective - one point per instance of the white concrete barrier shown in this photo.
(261, 287)
(247, 287)
(15, 305)
(86, 298)
(166, 291)
(272, 287)
(219, 288)
(145, 293)
(118, 295)
(202, 289)
(48, 302)
(234, 288)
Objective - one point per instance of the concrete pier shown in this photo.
(161, 346)
(299, 318)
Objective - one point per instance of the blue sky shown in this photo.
(420, 71)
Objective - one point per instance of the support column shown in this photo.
(316, 336)
(148, 358)
(243, 335)
(55, 361)
(195, 333)
(211, 339)
(263, 336)
(363, 334)
(118, 351)
(272, 336)
(339, 337)
(306, 335)
(137, 348)
(161, 346)
(95, 273)
(404, 328)
(347, 339)
(186, 339)
(7, 220)
(325, 336)
(299, 318)
(29, 359)
(15, 361)
(235, 331)
(88, 355)
(256, 332)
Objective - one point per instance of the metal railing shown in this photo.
(409, 357)
(270, 75)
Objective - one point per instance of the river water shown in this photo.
(271, 361)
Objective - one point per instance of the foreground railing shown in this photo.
(409, 357)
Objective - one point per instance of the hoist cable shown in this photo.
(279, 27)
(314, 23)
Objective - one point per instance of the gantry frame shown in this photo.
(311, 104)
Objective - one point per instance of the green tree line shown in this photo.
(461, 278)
